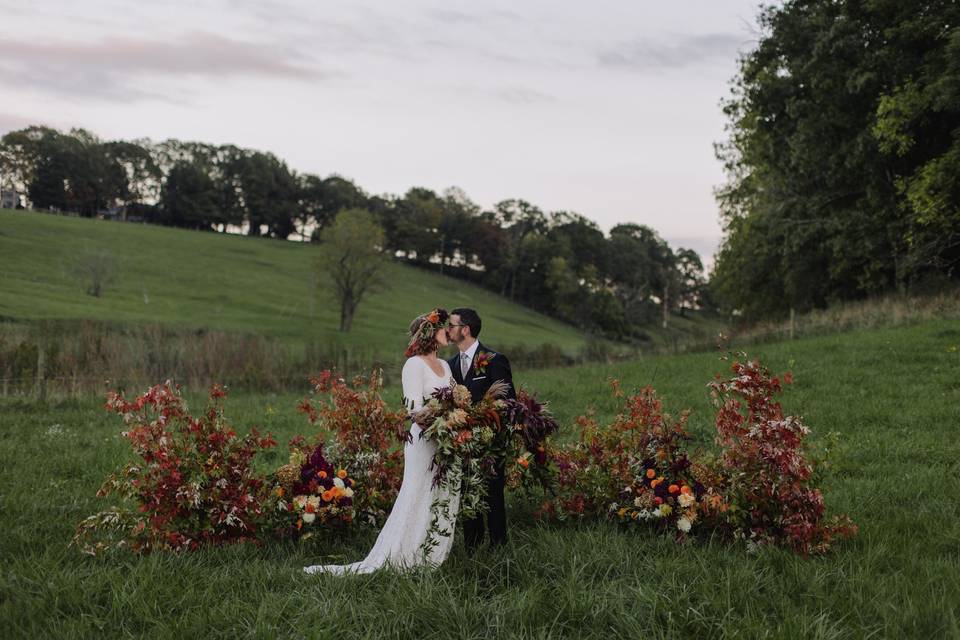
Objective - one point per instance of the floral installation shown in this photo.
(634, 470)
(424, 340)
(664, 487)
(192, 485)
(481, 361)
(311, 492)
(764, 492)
(759, 488)
(360, 430)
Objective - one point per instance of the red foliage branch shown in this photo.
(766, 473)
(194, 484)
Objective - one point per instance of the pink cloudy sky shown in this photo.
(606, 108)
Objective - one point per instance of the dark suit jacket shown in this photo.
(479, 382)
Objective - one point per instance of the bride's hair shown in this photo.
(423, 332)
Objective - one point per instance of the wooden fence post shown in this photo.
(41, 377)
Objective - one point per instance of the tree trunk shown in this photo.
(666, 303)
(346, 315)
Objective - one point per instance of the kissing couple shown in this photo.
(399, 544)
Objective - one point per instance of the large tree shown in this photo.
(842, 154)
(189, 197)
(351, 260)
(642, 272)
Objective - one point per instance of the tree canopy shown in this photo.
(843, 155)
(557, 262)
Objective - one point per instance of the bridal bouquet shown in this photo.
(466, 436)
(312, 492)
(530, 423)
(472, 439)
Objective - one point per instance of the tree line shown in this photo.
(843, 156)
(557, 262)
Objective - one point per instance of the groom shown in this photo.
(477, 367)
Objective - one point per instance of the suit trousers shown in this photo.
(496, 516)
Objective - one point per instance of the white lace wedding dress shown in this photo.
(399, 543)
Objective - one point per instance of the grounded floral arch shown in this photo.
(194, 483)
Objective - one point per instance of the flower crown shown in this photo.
(423, 340)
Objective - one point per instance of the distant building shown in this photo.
(9, 199)
(113, 213)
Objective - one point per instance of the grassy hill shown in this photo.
(232, 283)
(892, 395)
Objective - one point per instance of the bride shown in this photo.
(400, 543)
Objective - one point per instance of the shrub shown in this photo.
(765, 493)
(193, 483)
(362, 433)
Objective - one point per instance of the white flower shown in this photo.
(300, 501)
(686, 500)
(683, 524)
(309, 517)
(313, 500)
(348, 493)
(338, 483)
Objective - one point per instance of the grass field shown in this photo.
(892, 394)
(232, 283)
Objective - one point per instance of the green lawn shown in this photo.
(231, 283)
(892, 394)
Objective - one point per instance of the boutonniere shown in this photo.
(481, 361)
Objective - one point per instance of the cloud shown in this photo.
(524, 95)
(651, 55)
(116, 68)
(12, 122)
(706, 246)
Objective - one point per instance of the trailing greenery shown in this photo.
(843, 156)
(892, 395)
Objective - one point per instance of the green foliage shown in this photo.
(189, 197)
(352, 259)
(844, 125)
(509, 249)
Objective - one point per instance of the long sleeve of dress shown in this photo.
(412, 379)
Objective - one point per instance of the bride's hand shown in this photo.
(403, 433)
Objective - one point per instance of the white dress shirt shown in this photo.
(469, 353)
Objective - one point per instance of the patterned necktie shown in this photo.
(464, 365)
